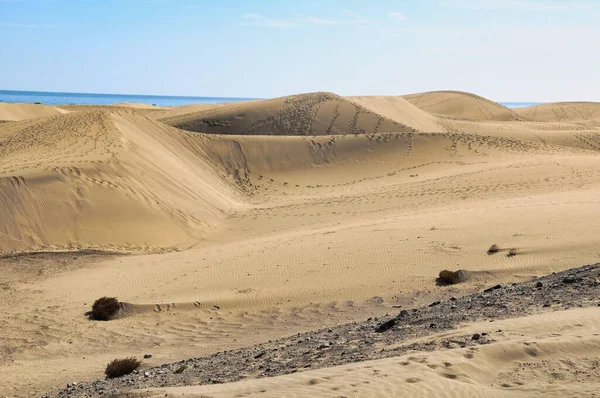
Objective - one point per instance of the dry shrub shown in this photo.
(493, 249)
(121, 367)
(105, 308)
(512, 252)
(453, 277)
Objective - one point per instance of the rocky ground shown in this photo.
(371, 339)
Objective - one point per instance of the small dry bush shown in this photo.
(512, 252)
(105, 308)
(493, 249)
(453, 277)
(121, 367)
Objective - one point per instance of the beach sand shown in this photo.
(233, 224)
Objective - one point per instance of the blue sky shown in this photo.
(506, 50)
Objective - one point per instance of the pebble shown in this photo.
(147, 356)
(539, 284)
(476, 336)
(146, 374)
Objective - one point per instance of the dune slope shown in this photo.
(462, 105)
(16, 112)
(304, 114)
(575, 112)
(113, 181)
(401, 111)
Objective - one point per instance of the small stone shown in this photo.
(435, 303)
(403, 313)
(147, 356)
(569, 279)
(476, 336)
(453, 298)
(539, 284)
(146, 374)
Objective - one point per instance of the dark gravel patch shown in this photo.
(371, 339)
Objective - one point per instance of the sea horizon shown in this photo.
(70, 98)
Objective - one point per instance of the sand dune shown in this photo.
(279, 216)
(462, 105)
(16, 112)
(551, 355)
(570, 112)
(304, 114)
(401, 111)
(65, 179)
(167, 113)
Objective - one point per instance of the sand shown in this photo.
(10, 112)
(298, 115)
(285, 214)
(459, 104)
(551, 355)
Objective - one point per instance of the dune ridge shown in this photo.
(303, 114)
(10, 112)
(572, 112)
(458, 104)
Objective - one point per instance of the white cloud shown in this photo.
(321, 21)
(398, 16)
(521, 5)
(254, 19)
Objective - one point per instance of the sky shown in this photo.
(505, 50)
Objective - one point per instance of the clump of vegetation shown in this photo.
(452, 277)
(512, 252)
(493, 249)
(121, 367)
(105, 308)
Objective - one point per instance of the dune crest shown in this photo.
(10, 112)
(570, 112)
(458, 104)
(303, 115)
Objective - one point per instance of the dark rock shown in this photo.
(476, 336)
(260, 354)
(539, 284)
(435, 303)
(385, 326)
(147, 356)
(569, 279)
(490, 289)
(403, 313)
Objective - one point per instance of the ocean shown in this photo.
(52, 98)
(519, 104)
